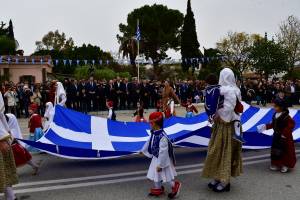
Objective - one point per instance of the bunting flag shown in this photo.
(78, 136)
(193, 61)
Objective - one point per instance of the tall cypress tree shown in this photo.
(11, 34)
(189, 42)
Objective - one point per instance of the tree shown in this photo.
(55, 40)
(3, 29)
(8, 43)
(8, 46)
(10, 30)
(235, 47)
(213, 66)
(268, 57)
(160, 31)
(84, 52)
(189, 42)
(289, 38)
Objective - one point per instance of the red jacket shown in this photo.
(35, 121)
(289, 156)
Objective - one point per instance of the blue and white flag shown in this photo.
(138, 33)
(79, 136)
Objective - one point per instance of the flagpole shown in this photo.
(138, 53)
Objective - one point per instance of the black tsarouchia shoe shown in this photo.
(213, 185)
(221, 188)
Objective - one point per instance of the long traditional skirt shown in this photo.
(8, 171)
(224, 155)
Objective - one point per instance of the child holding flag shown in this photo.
(283, 155)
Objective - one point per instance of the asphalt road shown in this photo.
(125, 178)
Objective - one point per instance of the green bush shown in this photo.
(124, 75)
(106, 73)
(292, 75)
(81, 73)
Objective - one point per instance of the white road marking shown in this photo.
(68, 180)
(114, 181)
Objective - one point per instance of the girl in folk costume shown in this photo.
(190, 109)
(35, 126)
(139, 114)
(168, 100)
(111, 112)
(283, 156)
(224, 157)
(48, 116)
(8, 171)
(160, 149)
(60, 95)
(170, 110)
(22, 156)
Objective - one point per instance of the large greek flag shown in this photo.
(79, 136)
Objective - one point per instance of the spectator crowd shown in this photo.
(91, 95)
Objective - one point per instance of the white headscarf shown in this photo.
(49, 110)
(2, 106)
(14, 126)
(227, 78)
(49, 114)
(4, 129)
(60, 94)
(231, 92)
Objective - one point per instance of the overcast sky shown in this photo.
(96, 21)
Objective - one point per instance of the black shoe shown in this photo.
(212, 186)
(222, 188)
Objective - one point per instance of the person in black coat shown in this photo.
(100, 95)
(81, 90)
(127, 87)
(74, 94)
(91, 91)
(67, 86)
(134, 91)
(144, 94)
(120, 90)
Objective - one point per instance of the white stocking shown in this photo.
(32, 164)
(9, 193)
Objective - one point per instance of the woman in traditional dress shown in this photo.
(60, 95)
(8, 171)
(224, 159)
(168, 100)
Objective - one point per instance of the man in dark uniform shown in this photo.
(74, 94)
(144, 94)
(126, 87)
(120, 90)
(91, 90)
(81, 90)
(134, 91)
(100, 94)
